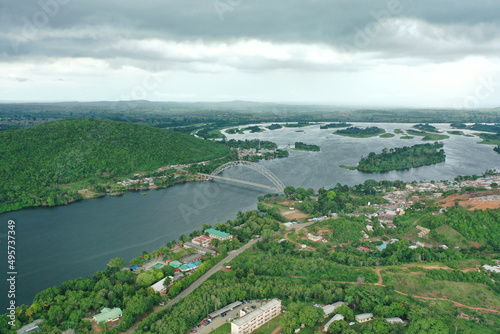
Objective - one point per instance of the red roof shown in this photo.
(364, 249)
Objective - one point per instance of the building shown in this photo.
(364, 249)
(364, 317)
(229, 307)
(175, 264)
(314, 238)
(382, 247)
(199, 249)
(218, 234)
(395, 320)
(492, 269)
(108, 314)
(202, 240)
(332, 308)
(32, 327)
(257, 318)
(337, 317)
(159, 287)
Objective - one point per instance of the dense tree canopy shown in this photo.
(37, 161)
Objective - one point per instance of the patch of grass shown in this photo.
(224, 329)
(434, 137)
(270, 326)
(299, 131)
(406, 137)
(489, 138)
(415, 282)
(456, 133)
(427, 136)
(387, 135)
(348, 167)
(398, 131)
(451, 234)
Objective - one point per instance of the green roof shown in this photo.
(217, 233)
(198, 263)
(108, 314)
(184, 267)
(176, 264)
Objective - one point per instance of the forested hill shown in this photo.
(38, 159)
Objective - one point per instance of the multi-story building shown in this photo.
(257, 318)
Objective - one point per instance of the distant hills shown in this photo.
(36, 161)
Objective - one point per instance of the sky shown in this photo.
(376, 53)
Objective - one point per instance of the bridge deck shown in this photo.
(241, 181)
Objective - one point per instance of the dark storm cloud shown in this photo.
(435, 30)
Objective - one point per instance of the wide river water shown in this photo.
(67, 242)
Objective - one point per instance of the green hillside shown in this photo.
(37, 161)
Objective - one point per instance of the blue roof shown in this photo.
(134, 267)
(191, 265)
(382, 247)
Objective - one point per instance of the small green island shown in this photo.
(255, 149)
(497, 149)
(334, 125)
(387, 135)
(274, 126)
(427, 136)
(426, 127)
(458, 125)
(356, 132)
(297, 125)
(403, 158)
(306, 147)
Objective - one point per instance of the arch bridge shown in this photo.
(278, 184)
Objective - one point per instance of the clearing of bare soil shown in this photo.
(295, 215)
(481, 200)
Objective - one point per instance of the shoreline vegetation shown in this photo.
(326, 261)
(62, 162)
(402, 158)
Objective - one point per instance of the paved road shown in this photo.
(209, 273)
(203, 278)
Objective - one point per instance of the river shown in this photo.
(66, 242)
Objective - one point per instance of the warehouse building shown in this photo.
(218, 234)
(332, 308)
(225, 309)
(337, 317)
(364, 317)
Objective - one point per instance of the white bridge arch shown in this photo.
(278, 185)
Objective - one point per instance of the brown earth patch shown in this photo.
(296, 215)
(473, 201)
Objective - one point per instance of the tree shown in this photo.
(215, 242)
(338, 327)
(347, 312)
(117, 263)
(428, 325)
(167, 281)
(289, 191)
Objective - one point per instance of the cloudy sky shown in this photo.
(425, 53)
